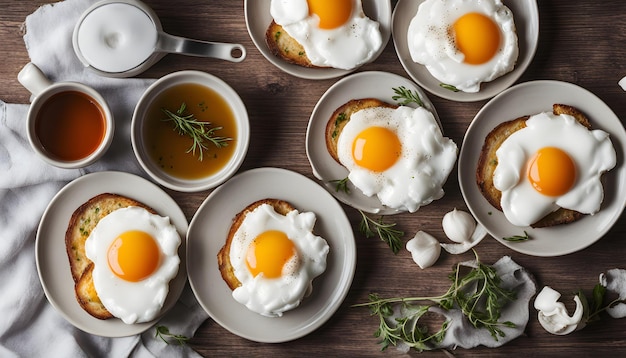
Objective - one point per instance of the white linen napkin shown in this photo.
(30, 326)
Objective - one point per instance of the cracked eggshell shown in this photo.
(477, 236)
(615, 281)
(424, 249)
(553, 315)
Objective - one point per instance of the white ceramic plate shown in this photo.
(52, 261)
(258, 19)
(526, 17)
(527, 99)
(207, 234)
(359, 85)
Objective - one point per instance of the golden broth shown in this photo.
(169, 149)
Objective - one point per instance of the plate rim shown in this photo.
(618, 139)
(344, 280)
(527, 53)
(80, 187)
(313, 73)
(310, 143)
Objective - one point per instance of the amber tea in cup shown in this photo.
(70, 125)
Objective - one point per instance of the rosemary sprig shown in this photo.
(164, 333)
(517, 238)
(405, 96)
(449, 87)
(341, 185)
(197, 130)
(370, 227)
(477, 294)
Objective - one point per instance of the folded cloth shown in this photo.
(30, 326)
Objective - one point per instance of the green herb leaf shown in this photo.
(478, 294)
(197, 130)
(164, 333)
(405, 96)
(386, 232)
(449, 87)
(517, 238)
(341, 185)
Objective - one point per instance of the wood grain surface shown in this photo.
(583, 42)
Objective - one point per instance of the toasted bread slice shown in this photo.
(223, 256)
(87, 296)
(341, 116)
(282, 45)
(488, 161)
(82, 222)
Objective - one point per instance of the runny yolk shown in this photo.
(376, 148)
(268, 254)
(477, 37)
(551, 171)
(133, 256)
(332, 13)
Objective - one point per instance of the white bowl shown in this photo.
(241, 141)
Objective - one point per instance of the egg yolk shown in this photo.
(551, 171)
(376, 148)
(332, 13)
(268, 254)
(133, 256)
(477, 37)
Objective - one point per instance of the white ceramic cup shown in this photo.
(43, 92)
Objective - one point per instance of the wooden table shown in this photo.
(580, 42)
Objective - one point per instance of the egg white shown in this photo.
(591, 151)
(272, 297)
(417, 177)
(345, 47)
(430, 44)
(133, 302)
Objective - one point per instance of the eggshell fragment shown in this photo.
(424, 248)
(615, 281)
(479, 233)
(553, 315)
(622, 83)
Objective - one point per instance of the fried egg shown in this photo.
(334, 33)
(553, 162)
(135, 255)
(399, 155)
(463, 43)
(276, 257)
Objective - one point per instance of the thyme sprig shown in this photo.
(163, 332)
(403, 329)
(341, 185)
(477, 293)
(449, 87)
(385, 231)
(405, 96)
(517, 238)
(198, 131)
